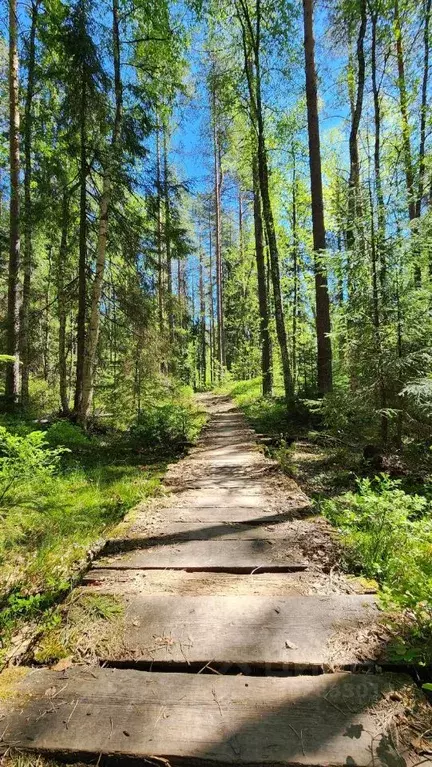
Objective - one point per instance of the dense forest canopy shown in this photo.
(195, 190)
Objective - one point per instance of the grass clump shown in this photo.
(9, 679)
(86, 627)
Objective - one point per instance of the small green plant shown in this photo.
(25, 462)
(388, 534)
(378, 519)
(285, 455)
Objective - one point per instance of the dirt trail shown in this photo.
(239, 642)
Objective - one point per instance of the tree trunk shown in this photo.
(203, 350)
(323, 327)
(403, 102)
(266, 350)
(211, 307)
(82, 260)
(27, 260)
(218, 242)
(12, 383)
(168, 236)
(354, 177)
(295, 268)
(62, 307)
(46, 354)
(382, 391)
(94, 320)
(159, 234)
(381, 215)
(423, 108)
(251, 37)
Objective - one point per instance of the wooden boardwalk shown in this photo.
(234, 640)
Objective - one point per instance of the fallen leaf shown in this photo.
(63, 664)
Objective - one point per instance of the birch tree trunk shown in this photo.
(266, 349)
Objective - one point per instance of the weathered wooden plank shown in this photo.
(233, 556)
(171, 531)
(195, 512)
(229, 498)
(283, 632)
(183, 583)
(210, 481)
(222, 497)
(213, 494)
(201, 720)
(229, 530)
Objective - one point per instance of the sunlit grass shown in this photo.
(44, 542)
(40, 541)
(52, 519)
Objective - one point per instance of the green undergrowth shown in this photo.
(62, 491)
(387, 535)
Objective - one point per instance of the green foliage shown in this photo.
(67, 434)
(26, 463)
(347, 412)
(270, 415)
(388, 534)
(166, 425)
(378, 520)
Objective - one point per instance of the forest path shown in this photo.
(230, 603)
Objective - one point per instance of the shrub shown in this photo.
(165, 425)
(25, 462)
(347, 412)
(67, 434)
(389, 537)
(378, 520)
